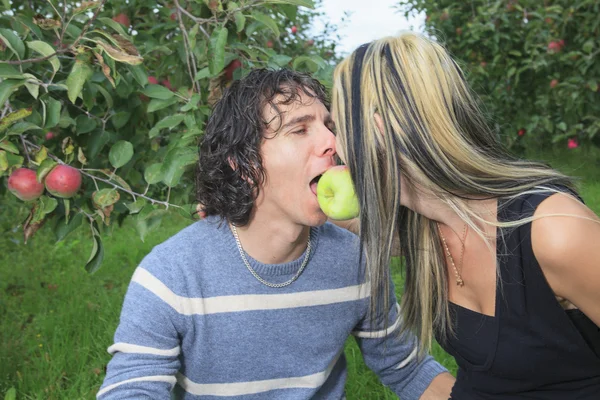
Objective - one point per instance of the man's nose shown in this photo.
(328, 145)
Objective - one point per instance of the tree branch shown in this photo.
(60, 51)
(95, 178)
(189, 52)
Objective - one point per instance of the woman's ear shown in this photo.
(379, 123)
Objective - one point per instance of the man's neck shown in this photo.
(273, 241)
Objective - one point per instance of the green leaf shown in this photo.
(148, 220)
(73, 31)
(218, 40)
(313, 62)
(114, 25)
(158, 92)
(53, 113)
(7, 71)
(7, 87)
(45, 205)
(13, 42)
(45, 50)
(80, 73)
(203, 73)
(562, 126)
(13, 117)
(300, 3)
(120, 181)
(8, 146)
(158, 104)
(240, 21)
(11, 394)
(97, 254)
(33, 89)
(67, 205)
(290, 11)
(280, 59)
(153, 174)
(266, 21)
(120, 119)
(3, 161)
(139, 74)
(14, 160)
(106, 197)
(96, 143)
(65, 226)
(40, 155)
(118, 54)
(120, 153)
(45, 167)
(175, 162)
(84, 124)
(168, 122)
(136, 206)
(105, 94)
(21, 127)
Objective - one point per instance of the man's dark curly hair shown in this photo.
(230, 171)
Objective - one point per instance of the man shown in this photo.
(257, 300)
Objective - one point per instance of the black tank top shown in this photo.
(532, 348)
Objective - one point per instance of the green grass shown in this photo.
(56, 321)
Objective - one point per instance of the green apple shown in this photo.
(335, 194)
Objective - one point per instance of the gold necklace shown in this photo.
(459, 279)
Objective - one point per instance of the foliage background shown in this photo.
(533, 62)
(126, 102)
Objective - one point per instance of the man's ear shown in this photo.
(231, 163)
(379, 123)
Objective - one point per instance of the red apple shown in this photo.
(49, 135)
(294, 29)
(23, 184)
(483, 64)
(270, 44)
(522, 132)
(166, 83)
(63, 181)
(123, 19)
(572, 143)
(310, 43)
(445, 16)
(152, 80)
(555, 47)
(459, 31)
(553, 83)
(231, 67)
(173, 17)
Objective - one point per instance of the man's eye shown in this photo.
(300, 131)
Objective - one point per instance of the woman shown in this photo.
(501, 254)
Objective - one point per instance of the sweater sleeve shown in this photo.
(395, 358)
(146, 343)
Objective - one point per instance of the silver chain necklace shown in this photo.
(255, 274)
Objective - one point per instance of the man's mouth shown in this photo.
(313, 184)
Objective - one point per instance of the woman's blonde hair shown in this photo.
(436, 138)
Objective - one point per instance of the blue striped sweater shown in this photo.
(196, 324)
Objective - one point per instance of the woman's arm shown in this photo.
(568, 251)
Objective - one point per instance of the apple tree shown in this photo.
(102, 103)
(534, 63)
